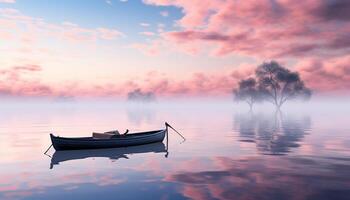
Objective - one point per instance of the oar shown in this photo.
(168, 125)
(48, 150)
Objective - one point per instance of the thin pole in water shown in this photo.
(168, 125)
(48, 149)
(167, 138)
(167, 143)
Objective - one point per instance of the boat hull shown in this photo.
(62, 143)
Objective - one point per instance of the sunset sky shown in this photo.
(102, 48)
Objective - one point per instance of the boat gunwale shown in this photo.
(137, 135)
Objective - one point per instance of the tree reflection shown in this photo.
(274, 134)
(138, 114)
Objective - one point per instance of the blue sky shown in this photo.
(124, 16)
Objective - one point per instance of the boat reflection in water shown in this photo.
(112, 153)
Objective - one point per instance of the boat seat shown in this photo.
(116, 132)
(103, 135)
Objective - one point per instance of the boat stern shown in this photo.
(53, 141)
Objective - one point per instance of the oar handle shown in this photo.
(168, 125)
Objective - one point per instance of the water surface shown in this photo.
(229, 153)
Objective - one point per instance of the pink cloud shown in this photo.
(316, 31)
(39, 28)
(5, 23)
(109, 34)
(13, 82)
(7, 1)
(281, 28)
(15, 72)
(22, 81)
(198, 84)
(164, 13)
(150, 49)
(4, 35)
(332, 75)
(321, 76)
(147, 33)
(28, 68)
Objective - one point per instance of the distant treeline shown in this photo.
(138, 95)
(271, 82)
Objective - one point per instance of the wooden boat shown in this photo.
(132, 139)
(112, 153)
(111, 141)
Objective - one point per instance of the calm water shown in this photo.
(302, 153)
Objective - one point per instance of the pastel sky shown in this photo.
(171, 47)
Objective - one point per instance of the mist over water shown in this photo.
(302, 152)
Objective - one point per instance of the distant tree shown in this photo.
(138, 95)
(248, 91)
(278, 84)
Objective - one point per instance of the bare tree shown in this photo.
(278, 84)
(248, 91)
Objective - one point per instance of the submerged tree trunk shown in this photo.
(250, 103)
(251, 106)
(279, 105)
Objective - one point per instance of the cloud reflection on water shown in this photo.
(267, 178)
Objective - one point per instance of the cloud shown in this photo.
(22, 81)
(333, 10)
(14, 83)
(160, 27)
(109, 34)
(13, 74)
(109, 2)
(311, 30)
(5, 35)
(314, 31)
(273, 29)
(147, 33)
(322, 76)
(331, 75)
(164, 13)
(7, 1)
(39, 28)
(150, 49)
(32, 68)
(66, 23)
(144, 24)
(197, 84)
